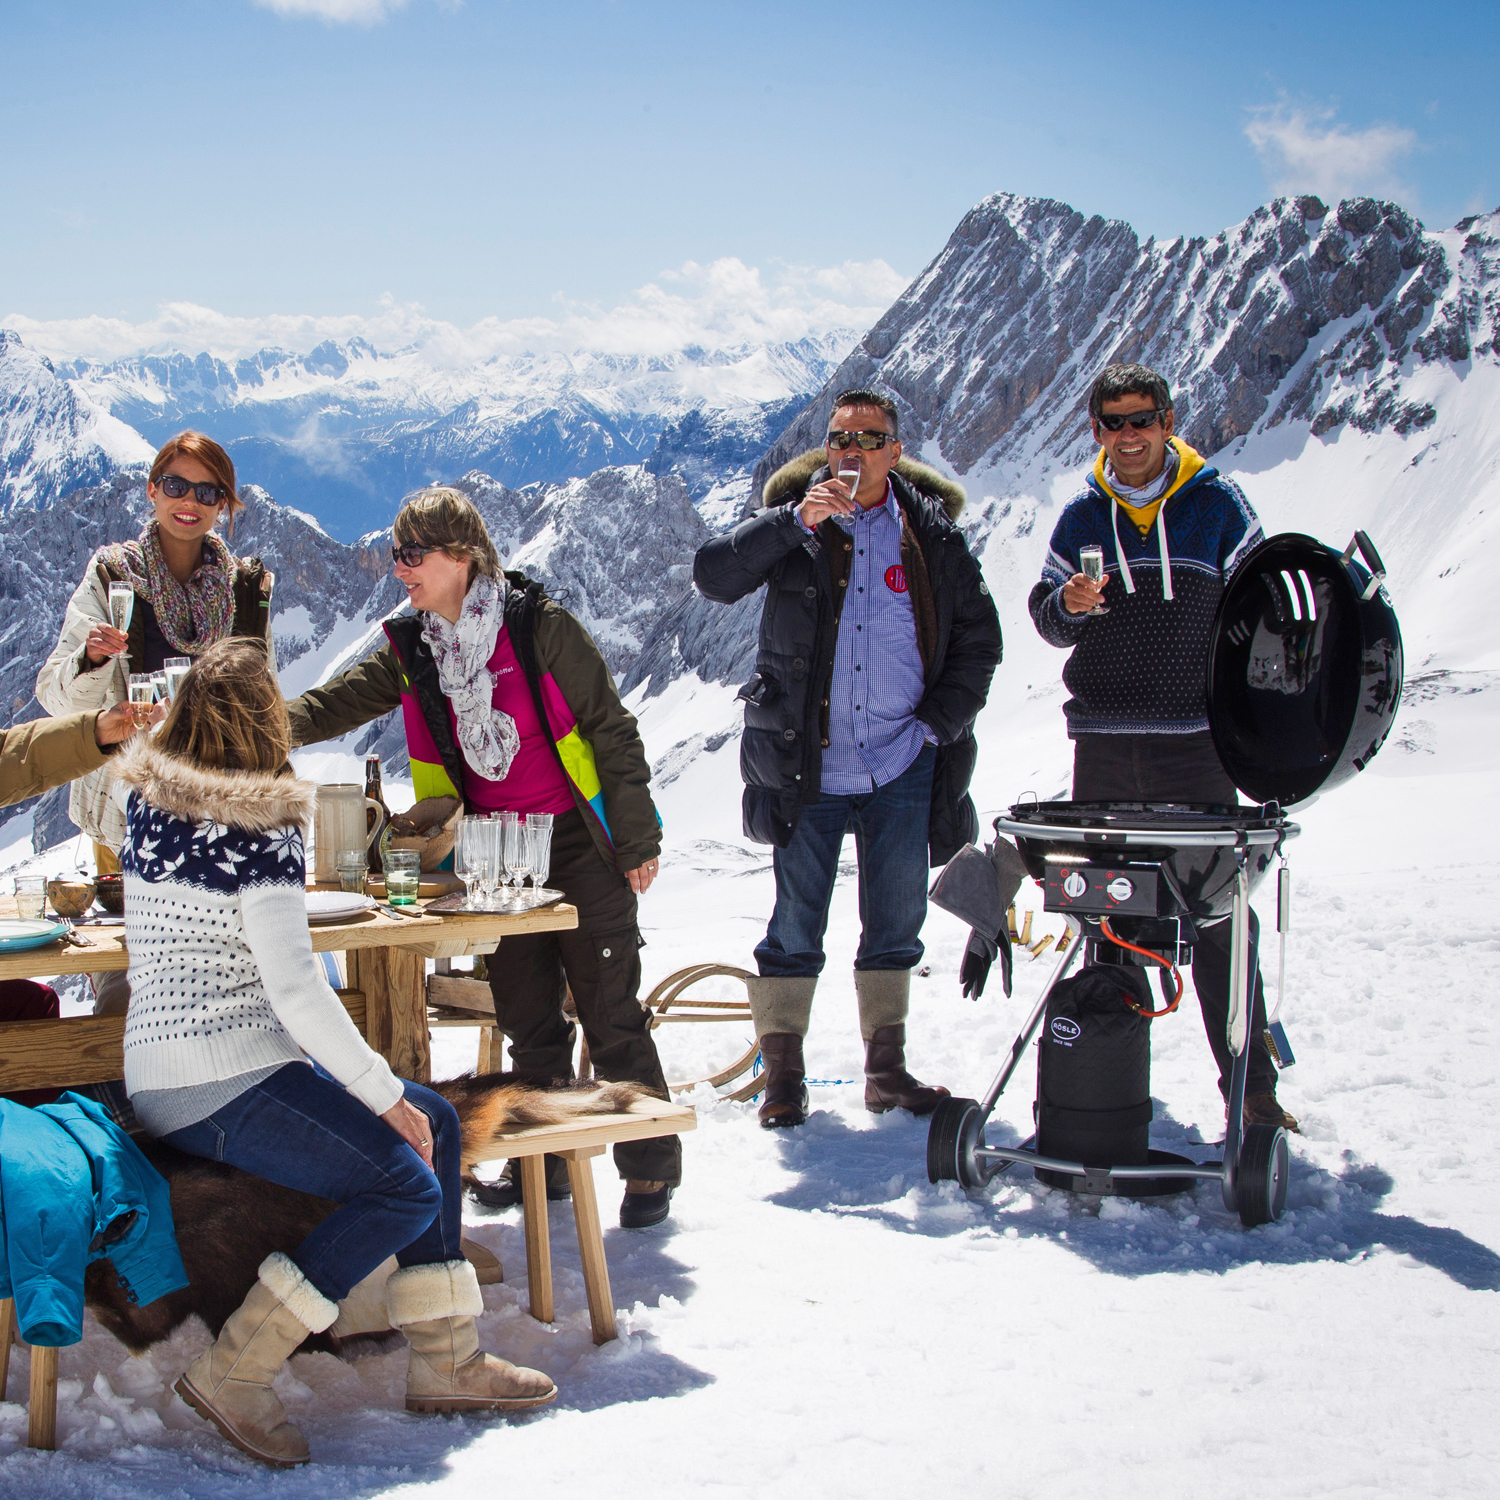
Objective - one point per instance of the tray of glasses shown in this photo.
(515, 901)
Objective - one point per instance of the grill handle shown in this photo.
(1367, 550)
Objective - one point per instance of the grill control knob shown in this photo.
(1074, 885)
(1120, 889)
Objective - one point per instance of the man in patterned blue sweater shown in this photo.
(1172, 530)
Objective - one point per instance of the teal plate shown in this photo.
(20, 933)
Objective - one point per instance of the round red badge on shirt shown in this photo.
(895, 578)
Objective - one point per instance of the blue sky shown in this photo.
(500, 160)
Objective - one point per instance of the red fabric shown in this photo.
(535, 781)
(25, 1000)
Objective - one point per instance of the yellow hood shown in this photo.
(1189, 462)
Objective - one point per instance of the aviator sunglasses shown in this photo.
(174, 487)
(1140, 420)
(410, 555)
(870, 442)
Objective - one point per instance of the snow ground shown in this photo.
(816, 1313)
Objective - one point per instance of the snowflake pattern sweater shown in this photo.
(222, 976)
(1140, 669)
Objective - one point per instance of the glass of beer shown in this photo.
(121, 605)
(1091, 561)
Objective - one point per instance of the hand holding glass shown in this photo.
(1091, 561)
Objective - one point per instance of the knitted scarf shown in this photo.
(193, 616)
(487, 737)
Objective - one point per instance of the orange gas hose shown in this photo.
(1120, 942)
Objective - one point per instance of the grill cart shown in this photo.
(1304, 678)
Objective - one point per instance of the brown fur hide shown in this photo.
(227, 1221)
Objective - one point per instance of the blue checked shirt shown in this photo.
(877, 668)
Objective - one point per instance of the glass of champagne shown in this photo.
(162, 684)
(1091, 561)
(142, 695)
(121, 605)
(176, 668)
(851, 471)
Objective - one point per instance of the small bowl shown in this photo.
(109, 891)
(70, 898)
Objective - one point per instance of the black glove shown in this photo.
(978, 956)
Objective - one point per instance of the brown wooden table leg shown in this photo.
(7, 1324)
(394, 981)
(41, 1429)
(489, 1050)
(538, 1245)
(591, 1241)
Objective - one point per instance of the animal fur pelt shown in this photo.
(791, 481)
(257, 801)
(228, 1222)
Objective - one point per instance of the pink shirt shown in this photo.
(535, 781)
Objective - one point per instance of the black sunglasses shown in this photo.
(410, 555)
(1115, 421)
(871, 442)
(174, 487)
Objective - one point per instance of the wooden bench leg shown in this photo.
(7, 1337)
(538, 1245)
(591, 1241)
(489, 1050)
(42, 1426)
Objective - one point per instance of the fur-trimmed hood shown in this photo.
(793, 479)
(257, 801)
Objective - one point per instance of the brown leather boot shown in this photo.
(784, 1102)
(887, 1083)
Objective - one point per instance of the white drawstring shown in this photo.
(1114, 526)
(1161, 535)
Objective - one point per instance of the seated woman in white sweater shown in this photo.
(237, 1050)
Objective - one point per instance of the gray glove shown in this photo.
(978, 888)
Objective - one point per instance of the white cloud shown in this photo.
(1304, 151)
(362, 11)
(720, 305)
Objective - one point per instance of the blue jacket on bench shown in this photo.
(74, 1188)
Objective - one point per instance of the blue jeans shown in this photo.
(890, 841)
(300, 1129)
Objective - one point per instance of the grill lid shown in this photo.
(1304, 667)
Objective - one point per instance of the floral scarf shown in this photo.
(193, 616)
(487, 737)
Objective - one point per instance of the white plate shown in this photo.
(19, 933)
(335, 906)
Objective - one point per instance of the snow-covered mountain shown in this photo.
(53, 437)
(344, 431)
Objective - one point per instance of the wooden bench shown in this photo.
(578, 1142)
(80, 1050)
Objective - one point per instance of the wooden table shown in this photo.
(385, 958)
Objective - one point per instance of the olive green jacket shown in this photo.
(41, 755)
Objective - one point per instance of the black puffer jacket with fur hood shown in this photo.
(786, 701)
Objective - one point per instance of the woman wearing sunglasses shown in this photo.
(188, 592)
(508, 704)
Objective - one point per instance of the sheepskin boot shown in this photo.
(435, 1307)
(230, 1383)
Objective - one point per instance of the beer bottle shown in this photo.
(374, 793)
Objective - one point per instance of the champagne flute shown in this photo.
(517, 854)
(121, 605)
(176, 667)
(162, 684)
(1091, 562)
(490, 853)
(540, 826)
(142, 696)
(851, 471)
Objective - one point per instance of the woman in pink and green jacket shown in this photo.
(508, 704)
